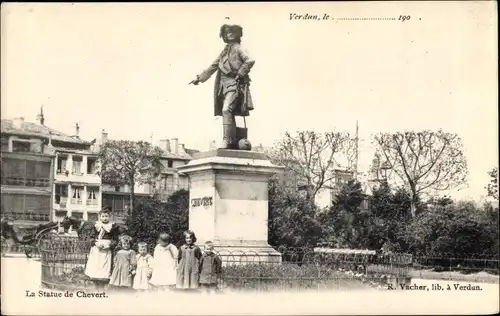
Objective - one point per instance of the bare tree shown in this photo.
(423, 161)
(313, 157)
(128, 162)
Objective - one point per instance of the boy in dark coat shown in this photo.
(210, 269)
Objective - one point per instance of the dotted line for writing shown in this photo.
(365, 19)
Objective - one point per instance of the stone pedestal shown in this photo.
(229, 204)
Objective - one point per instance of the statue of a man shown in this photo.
(232, 93)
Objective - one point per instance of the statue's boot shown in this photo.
(228, 131)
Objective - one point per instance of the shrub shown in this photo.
(454, 236)
(293, 219)
(154, 217)
(271, 276)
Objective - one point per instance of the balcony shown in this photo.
(76, 201)
(69, 176)
(24, 182)
(92, 202)
(28, 216)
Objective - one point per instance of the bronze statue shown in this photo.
(232, 93)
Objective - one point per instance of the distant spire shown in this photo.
(40, 117)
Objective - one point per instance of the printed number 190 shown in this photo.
(403, 18)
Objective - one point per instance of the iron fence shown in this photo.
(63, 263)
(30, 250)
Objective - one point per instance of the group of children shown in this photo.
(187, 268)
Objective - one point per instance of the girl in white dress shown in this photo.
(98, 267)
(144, 267)
(164, 264)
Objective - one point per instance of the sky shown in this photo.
(125, 68)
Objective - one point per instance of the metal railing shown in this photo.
(91, 202)
(25, 182)
(27, 216)
(63, 263)
(76, 201)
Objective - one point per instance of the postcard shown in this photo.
(277, 158)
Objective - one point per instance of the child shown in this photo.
(98, 267)
(124, 265)
(164, 263)
(210, 269)
(144, 267)
(188, 271)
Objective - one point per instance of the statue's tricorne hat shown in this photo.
(237, 29)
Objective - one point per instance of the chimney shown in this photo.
(165, 145)
(182, 149)
(18, 122)
(175, 145)
(212, 145)
(104, 136)
(77, 130)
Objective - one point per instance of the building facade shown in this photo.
(27, 173)
(77, 184)
(26, 187)
(46, 174)
(174, 156)
(326, 196)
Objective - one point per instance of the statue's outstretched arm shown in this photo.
(207, 73)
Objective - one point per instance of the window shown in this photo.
(5, 144)
(92, 217)
(37, 173)
(183, 183)
(36, 147)
(60, 215)
(118, 203)
(20, 146)
(91, 165)
(170, 163)
(26, 207)
(61, 164)
(169, 184)
(117, 188)
(77, 164)
(61, 194)
(78, 215)
(77, 195)
(92, 193)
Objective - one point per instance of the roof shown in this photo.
(75, 151)
(38, 130)
(191, 152)
(178, 156)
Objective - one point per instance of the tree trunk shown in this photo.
(413, 205)
(132, 198)
(413, 208)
